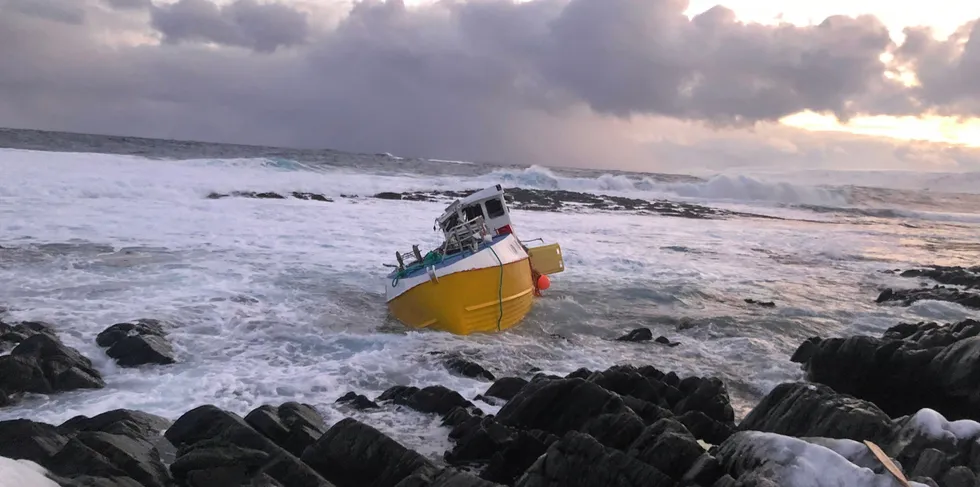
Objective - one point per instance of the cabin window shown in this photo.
(450, 222)
(473, 211)
(494, 208)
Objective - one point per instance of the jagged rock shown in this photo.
(937, 293)
(668, 446)
(629, 381)
(506, 388)
(137, 343)
(467, 368)
(764, 304)
(446, 477)
(914, 366)
(705, 471)
(100, 454)
(357, 401)
(144, 326)
(615, 430)
(353, 454)
(560, 406)
(431, 399)
(30, 440)
(705, 428)
(800, 409)
(210, 426)
(708, 395)
(219, 464)
(293, 426)
(960, 476)
(666, 341)
(578, 460)
(43, 364)
(650, 413)
(932, 463)
(126, 422)
(14, 334)
(637, 335)
(955, 275)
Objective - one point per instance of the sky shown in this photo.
(657, 85)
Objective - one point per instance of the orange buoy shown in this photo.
(543, 282)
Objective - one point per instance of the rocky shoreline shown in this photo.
(913, 392)
(553, 200)
(624, 426)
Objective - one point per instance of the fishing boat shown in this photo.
(482, 279)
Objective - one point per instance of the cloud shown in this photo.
(577, 82)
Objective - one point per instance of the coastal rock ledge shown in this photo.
(624, 426)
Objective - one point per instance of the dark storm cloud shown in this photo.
(129, 4)
(948, 70)
(55, 10)
(245, 23)
(541, 81)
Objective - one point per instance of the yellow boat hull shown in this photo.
(484, 300)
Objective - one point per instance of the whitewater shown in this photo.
(282, 300)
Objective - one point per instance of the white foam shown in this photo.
(799, 463)
(23, 473)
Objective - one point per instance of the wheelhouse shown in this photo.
(487, 205)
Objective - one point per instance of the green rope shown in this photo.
(500, 288)
(432, 258)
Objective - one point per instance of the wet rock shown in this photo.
(446, 477)
(615, 430)
(11, 335)
(707, 395)
(932, 463)
(42, 364)
(506, 388)
(939, 293)
(955, 275)
(578, 460)
(960, 476)
(637, 335)
(353, 454)
(100, 454)
(650, 413)
(385, 195)
(801, 409)
(219, 464)
(114, 333)
(666, 341)
(137, 343)
(560, 406)
(293, 426)
(627, 380)
(705, 471)
(505, 451)
(467, 368)
(668, 446)
(125, 422)
(764, 304)
(431, 399)
(211, 427)
(706, 429)
(357, 401)
(30, 440)
(913, 366)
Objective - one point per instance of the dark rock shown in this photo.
(764, 304)
(578, 460)
(800, 409)
(431, 399)
(100, 454)
(915, 366)
(213, 427)
(954, 275)
(311, 196)
(30, 440)
(705, 428)
(938, 293)
(139, 350)
(385, 195)
(353, 454)
(960, 476)
(467, 368)
(14, 334)
(506, 387)
(666, 341)
(615, 430)
(560, 406)
(637, 335)
(582, 373)
(629, 381)
(516, 456)
(668, 446)
(805, 351)
(647, 411)
(705, 471)
(725, 481)
(708, 395)
(925, 480)
(118, 331)
(44, 365)
(932, 463)
(293, 426)
(137, 343)
(125, 422)
(446, 477)
(357, 401)
(89, 481)
(218, 464)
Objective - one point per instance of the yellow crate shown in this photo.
(546, 259)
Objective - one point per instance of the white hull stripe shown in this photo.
(509, 250)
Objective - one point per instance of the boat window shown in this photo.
(494, 208)
(473, 211)
(450, 222)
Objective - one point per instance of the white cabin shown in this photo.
(487, 203)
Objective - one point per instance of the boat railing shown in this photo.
(466, 234)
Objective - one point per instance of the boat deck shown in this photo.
(416, 270)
